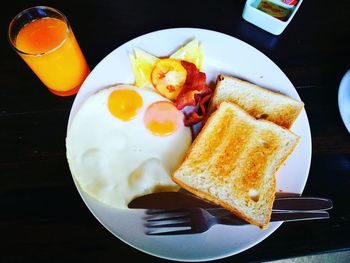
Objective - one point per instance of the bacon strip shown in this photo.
(194, 93)
(197, 116)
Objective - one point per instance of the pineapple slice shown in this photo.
(142, 64)
(168, 77)
(191, 52)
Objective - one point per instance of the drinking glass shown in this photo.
(44, 39)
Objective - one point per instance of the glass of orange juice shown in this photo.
(42, 36)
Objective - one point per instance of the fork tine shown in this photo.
(164, 217)
(172, 232)
(169, 224)
(158, 220)
(177, 223)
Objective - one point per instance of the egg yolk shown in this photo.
(162, 118)
(124, 103)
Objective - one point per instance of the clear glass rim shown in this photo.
(20, 14)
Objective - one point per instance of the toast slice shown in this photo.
(233, 162)
(261, 103)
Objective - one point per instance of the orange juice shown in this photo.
(49, 47)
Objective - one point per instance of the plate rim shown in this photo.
(343, 88)
(275, 226)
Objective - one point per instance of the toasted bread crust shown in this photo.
(227, 206)
(259, 102)
(233, 155)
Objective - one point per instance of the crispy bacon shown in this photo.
(194, 93)
(196, 116)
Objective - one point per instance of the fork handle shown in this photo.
(277, 217)
(302, 203)
(288, 204)
(299, 216)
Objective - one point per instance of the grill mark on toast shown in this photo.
(231, 147)
(199, 160)
(257, 160)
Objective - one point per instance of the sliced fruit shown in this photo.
(191, 52)
(142, 64)
(168, 77)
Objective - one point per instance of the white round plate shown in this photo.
(222, 54)
(344, 99)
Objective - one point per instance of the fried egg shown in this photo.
(125, 142)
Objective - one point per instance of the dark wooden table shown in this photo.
(43, 218)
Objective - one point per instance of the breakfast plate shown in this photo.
(222, 54)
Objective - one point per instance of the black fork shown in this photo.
(199, 220)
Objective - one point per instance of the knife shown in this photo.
(174, 200)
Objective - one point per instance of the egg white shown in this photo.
(115, 161)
